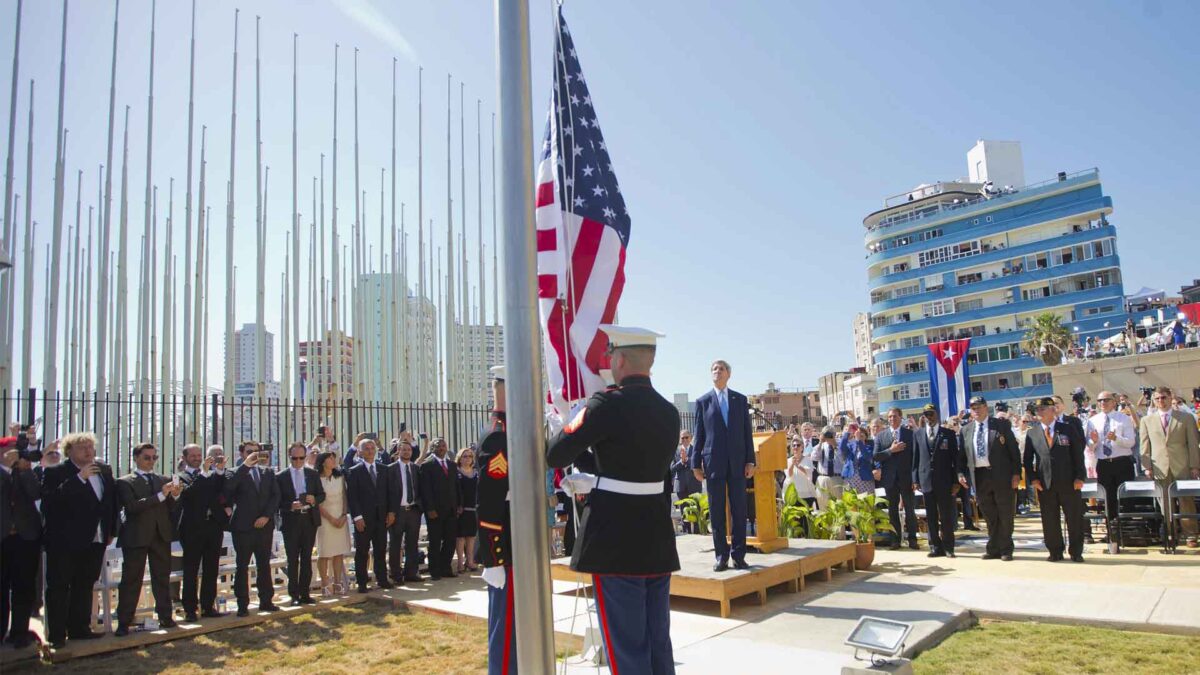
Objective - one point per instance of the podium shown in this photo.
(770, 453)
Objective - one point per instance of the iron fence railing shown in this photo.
(171, 421)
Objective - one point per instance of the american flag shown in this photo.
(582, 232)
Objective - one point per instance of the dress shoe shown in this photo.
(720, 565)
(242, 611)
(22, 642)
(268, 607)
(121, 631)
(212, 614)
(386, 585)
(362, 589)
(950, 553)
(740, 565)
(191, 617)
(89, 635)
(895, 546)
(1054, 557)
(307, 600)
(1007, 557)
(935, 553)
(989, 556)
(449, 574)
(59, 643)
(434, 577)
(294, 603)
(167, 623)
(914, 545)
(1077, 558)
(971, 528)
(414, 577)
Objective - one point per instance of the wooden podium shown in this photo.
(770, 451)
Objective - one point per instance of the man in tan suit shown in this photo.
(1170, 451)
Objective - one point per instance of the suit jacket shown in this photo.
(251, 502)
(147, 518)
(1177, 451)
(287, 495)
(201, 505)
(439, 490)
(365, 497)
(1004, 455)
(722, 449)
(396, 485)
(895, 467)
(18, 512)
(683, 481)
(1054, 464)
(71, 510)
(936, 465)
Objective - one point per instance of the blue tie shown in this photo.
(724, 402)
(980, 447)
(1104, 439)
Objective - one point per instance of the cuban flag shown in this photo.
(949, 382)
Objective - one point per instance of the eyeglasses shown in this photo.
(298, 459)
(1104, 400)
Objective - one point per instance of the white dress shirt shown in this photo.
(97, 486)
(405, 488)
(1118, 423)
(297, 481)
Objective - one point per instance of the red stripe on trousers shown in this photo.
(612, 658)
(545, 194)
(508, 618)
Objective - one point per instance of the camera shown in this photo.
(1147, 392)
(1079, 396)
(1002, 407)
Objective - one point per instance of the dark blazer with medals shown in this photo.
(1054, 464)
(1004, 455)
(935, 465)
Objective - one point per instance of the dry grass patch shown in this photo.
(367, 637)
(1052, 649)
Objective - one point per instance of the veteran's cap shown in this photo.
(929, 408)
(977, 400)
(1045, 402)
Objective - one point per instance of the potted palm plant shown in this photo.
(864, 515)
(694, 508)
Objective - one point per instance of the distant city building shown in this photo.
(245, 356)
(789, 407)
(848, 392)
(1191, 293)
(683, 404)
(477, 372)
(980, 258)
(862, 340)
(315, 362)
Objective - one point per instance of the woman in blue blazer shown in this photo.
(859, 469)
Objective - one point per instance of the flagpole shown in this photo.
(229, 204)
(260, 275)
(7, 282)
(481, 372)
(187, 224)
(193, 362)
(50, 364)
(27, 286)
(448, 309)
(420, 393)
(527, 469)
(105, 225)
(293, 391)
(335, 272)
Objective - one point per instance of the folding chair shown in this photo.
(1094, 490)
(1183, 490)
(1131, 512)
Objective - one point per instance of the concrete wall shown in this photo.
(1177, 369)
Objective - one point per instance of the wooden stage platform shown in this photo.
(696, 578)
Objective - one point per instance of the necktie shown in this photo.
(828, 459)
(980, 445)
(254, 473)
(404, 479)
(724, 401)
(1049, 437)
(149, 481)
(371, 470)
(444, 470)
(1166, 420)
(1104, 438)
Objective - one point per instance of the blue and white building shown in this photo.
(980, 257)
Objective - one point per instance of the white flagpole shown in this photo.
(192, 363)
(7, 282)
(103, 257)
(50, 365)
(229, 215)
(188, 272)
(527, 466)
(260, 274)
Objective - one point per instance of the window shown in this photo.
(937, 308)
(914, 341)
(930, 234)
(900, 393)
(1039, 379)
(1035, 293)
(914, 367)
(943, 254)
(885, 369)
(970, 278)
(923, 390)
(968, 305)
(907, 290)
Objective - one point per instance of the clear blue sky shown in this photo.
(750, 138)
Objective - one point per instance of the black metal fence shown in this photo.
(171, 421)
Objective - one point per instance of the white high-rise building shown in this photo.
(245, 353)
(476, 376)
(862, 340)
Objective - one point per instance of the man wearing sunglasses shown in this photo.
(1111, 437)
(300, 492)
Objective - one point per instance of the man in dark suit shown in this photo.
(935, 473)
(300, 492)
(367, 498)
(404, 500)
(442, 503)
(988, 451)
(147, 499)
(253, 493)
(893, 451)
(80, 507)
(20, 534)
(724, 455)
(201, 516)
(1054, 467)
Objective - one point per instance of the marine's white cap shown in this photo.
(497, 372)
(630, 336)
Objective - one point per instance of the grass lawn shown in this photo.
(363, 638)
(1051, 649)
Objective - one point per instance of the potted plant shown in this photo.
(795, 514)
(694, 508)
(866, 516)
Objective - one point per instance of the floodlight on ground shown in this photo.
(878, 637)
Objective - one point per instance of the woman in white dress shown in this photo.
(333, 536)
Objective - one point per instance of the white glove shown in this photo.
(554, 423)
(495, 577)
(578, 484)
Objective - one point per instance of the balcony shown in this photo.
(989, 368)
(1000, 282)
(1017, 306)
(995, 255)
(926, 217)
(993, 396)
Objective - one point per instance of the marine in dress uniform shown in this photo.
(493, 547)
(626, 540)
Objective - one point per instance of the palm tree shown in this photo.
(1047, 338)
